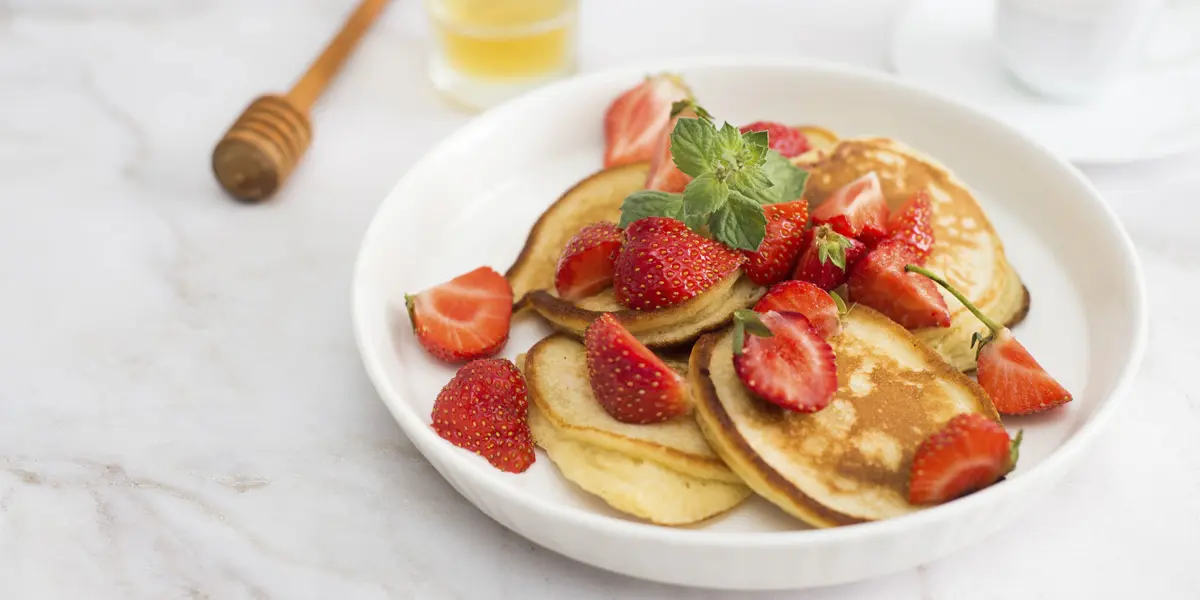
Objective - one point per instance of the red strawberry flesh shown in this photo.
(816, 304)
(794, 368)
(857, 209)
(1015, 382)
(786, 140)
(663, 264)
(484, 409)
(913, 225)
(969, 453)
(776, 256)
(629, 381)
(880, 282)
(635, 121)
(465, 318)
(664, 175)
(586, 264)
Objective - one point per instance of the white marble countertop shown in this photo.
(182, 410)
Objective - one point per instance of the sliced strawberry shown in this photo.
(857, 209)
(664, 175)
(586, 264)
(879, 281)
(485, 409)
(827, 257)
(663, 263)
(465, 318)
(1016, 383)
(630, 382)
(793, 368)
(636, 119)
(785, 237)
(968, 454)
(816, 304)
(913, 225)
(788, 141)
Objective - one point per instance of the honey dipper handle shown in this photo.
(309, 87)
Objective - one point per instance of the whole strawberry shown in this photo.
(777, 254)
(484, 409)
(663, 264)
(586, 264)
(788, 141)
(913, 225)
(826, 257)
(630, 382)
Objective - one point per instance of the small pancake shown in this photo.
(556, 375)
(642, 488)
(597, 198)
(967, 251)
(849, 462)
(661, 328)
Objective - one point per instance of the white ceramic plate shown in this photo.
(946, 46)
(472, 199)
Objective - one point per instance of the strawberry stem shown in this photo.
(991, 325)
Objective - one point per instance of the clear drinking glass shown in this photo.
(486, 51)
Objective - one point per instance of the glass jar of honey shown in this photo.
(486, 51)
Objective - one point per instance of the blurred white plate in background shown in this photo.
(946, 45)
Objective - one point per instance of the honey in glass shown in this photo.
(486, 51)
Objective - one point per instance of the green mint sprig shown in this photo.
(733, 175)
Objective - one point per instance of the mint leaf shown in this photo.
(729, 140)
(750, 179)
(788, 180)
(757, 139)
(703, 196)
(739, 224)
(693, 146)
(650, 203)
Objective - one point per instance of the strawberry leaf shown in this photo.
(747, 321)
(740, 224)
(650, 203)
(693, 146)
(832, 246)
(1014, 450)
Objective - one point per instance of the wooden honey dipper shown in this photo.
(265, 143)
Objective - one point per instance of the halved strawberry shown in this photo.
(788, 141)
(879, 281)
(465, 318)
(968, 454)
(630, 382)
(663, 263)
(635, 120)
(857, 209)
(912, 224)
(485, 409)
(664, 175)
(817, 305)
(785, 237)
(586, 264)
(1016, 383)
(827, 257)
(792, 367)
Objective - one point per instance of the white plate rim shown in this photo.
(427, 441)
